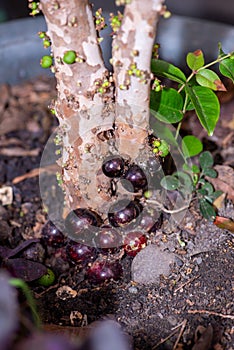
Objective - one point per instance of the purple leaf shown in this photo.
(25, 269)
(9, 253)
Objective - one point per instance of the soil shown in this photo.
(197, 295)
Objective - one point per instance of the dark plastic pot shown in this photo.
(21, 49)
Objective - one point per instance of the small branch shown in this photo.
(185, 284)
(161, 206)
(132, 52)
(175, 330)
(183, 325)
(219, 59)
(138, 31)
(231, 317)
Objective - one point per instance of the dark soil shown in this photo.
(199, 290)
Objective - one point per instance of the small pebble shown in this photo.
(150, 263)
(172, 320)
(199, 260)
(133, 290)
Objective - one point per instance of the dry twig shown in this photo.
(183, 325)
(185, 283)
(231, 317)
(175, 330)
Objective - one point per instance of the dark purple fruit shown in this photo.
(157, 224)
(80, 253)
(102, 271)
(150, 219)
(123, 212)
(108, 238)
(153, 164)
(80, 219)
(52, 236)
(134, 179)
(134, 242)
(113, 166)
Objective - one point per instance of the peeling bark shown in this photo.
(84, 113)
(132, 51)
(71, 27)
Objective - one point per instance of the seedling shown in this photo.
(169, 105)
(18, 283)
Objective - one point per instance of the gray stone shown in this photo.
(133, 290)
(150, 263)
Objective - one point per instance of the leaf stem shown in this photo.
(187, 80)
(219, 59)
(161, 206)
(183, 111)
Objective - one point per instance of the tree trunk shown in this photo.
(99, 114)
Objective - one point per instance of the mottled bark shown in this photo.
(132, 45)
(132, 50)
(83, 112)
(71, 27)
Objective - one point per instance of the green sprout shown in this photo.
(18, 283)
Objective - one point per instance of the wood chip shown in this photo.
(19, 152)
(66, 292)
(6, 195)
(36, 172)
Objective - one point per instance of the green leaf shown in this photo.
(208, 188)
(195, 169)
(186, 167)
(166, 105)
(213, 196)
(226, 67)
(206, 160)
(190, 106)
(207, 210)
(167, 70)
(202, 191)
(206, 105)
(202, 181)
(191, 169)
(186, 181)
(170, 183)
(208, 78)
(195, 60)
(210, 172)
(191, 146)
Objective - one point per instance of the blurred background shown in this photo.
(194, 24)
(213, 10)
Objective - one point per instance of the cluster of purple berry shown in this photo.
(132, 177)
(126, 229)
